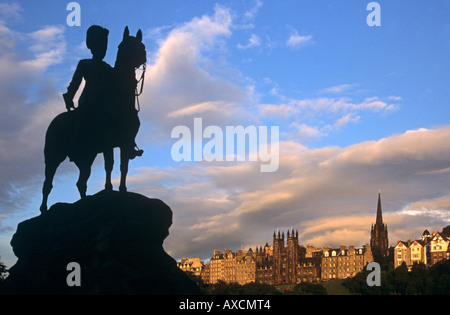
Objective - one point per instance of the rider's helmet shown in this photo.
(97, 40)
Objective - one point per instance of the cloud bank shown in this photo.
(329, 194)
(29, 100)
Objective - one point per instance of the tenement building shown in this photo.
(343, 263)
(288, 262)
(429, 250)
(193, 265)
(285, 262)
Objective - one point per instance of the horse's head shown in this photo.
(131, 51)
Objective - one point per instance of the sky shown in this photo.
(359, 109)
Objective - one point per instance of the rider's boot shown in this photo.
(134, 152)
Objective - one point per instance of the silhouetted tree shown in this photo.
(3, 271)
(440, 278)
(358, 284)
(223, 288)
(198, 280)
(3, 274)
(258, 289)
(306, 288)
(400, 279)
(419, 279)
(446, 230)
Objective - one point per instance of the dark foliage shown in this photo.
(308, 289)
(418, 281)
(223, 288)
(3, 274)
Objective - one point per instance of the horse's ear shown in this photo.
(126, 33)
(139, 35)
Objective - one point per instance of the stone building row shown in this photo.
(430, 249)
(285, 262)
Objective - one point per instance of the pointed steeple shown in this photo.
(379, 219)
(379, 232)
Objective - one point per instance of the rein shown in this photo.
(142, 79)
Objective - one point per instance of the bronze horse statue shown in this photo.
(118, 114)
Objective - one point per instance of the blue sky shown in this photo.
(359, 109)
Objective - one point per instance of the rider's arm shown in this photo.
(74, 85)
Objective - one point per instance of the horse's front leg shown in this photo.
(108, 156)
(124, 159)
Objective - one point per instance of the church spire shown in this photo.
(379, 219)
(379, 232)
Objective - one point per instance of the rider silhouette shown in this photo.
(91, 104)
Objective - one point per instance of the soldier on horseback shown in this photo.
(93, 121)
(106, 117)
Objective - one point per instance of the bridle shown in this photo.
(141, 80)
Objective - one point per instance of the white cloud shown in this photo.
(29, 102)
(282, 110)
(251, 13)
(199, 109)
(304, 131)
(48, 46)
(436, 208)
(321, 116)
(414, 146)
(10, 11)
(298, 41)
(342, 104)
(182, 80)
(346, 119)
(254, 41)
(339, 88)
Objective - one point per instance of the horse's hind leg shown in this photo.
(108, 156)
(50, 170)
(85, 173)
(124, 160)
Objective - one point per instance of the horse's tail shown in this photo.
(59, 137)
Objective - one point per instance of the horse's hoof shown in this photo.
(109, 187)
(43, 209)
(123, 189)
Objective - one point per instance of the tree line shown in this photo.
(399, 281)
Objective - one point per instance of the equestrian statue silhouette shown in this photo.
(106, 117)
